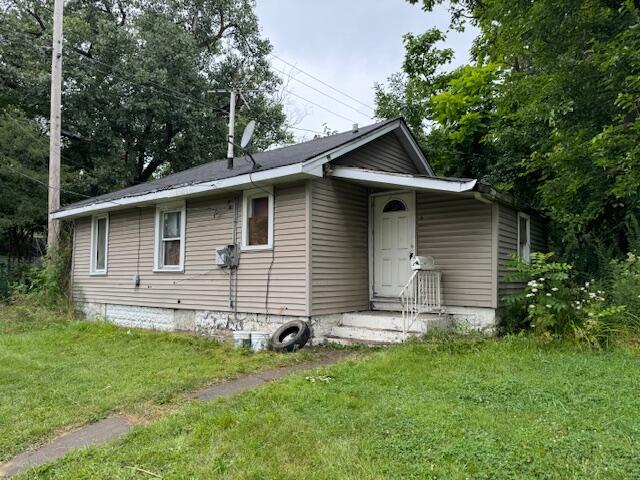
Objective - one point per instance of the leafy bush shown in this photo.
(13, 271)
(48, 282)
(554, 305)
(625, 284)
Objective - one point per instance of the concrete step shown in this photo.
(354, 341)
(393, 321)
(364, 334)
(378, 320)
(387, 304)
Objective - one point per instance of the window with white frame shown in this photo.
(257, 219)
(170, 233)
(99, 244)
(524, 236)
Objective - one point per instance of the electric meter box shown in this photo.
(422, 263)
(227, 256)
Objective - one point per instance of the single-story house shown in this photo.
(323, 231)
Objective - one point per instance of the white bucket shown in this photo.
(242, 339)
(259, 341)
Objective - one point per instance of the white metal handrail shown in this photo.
(421, 294)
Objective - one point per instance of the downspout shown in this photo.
(73, 262)
(233, 272)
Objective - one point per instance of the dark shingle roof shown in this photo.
(218, 170)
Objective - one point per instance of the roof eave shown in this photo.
(311, 167)
(278, 174)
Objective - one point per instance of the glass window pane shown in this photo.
(260, 207)
(171, 225)
(259, 221)
(101, 243)
(394, 206)
(523, 231)
(523, 236)
(171, 253)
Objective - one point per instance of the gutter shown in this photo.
(288, 172)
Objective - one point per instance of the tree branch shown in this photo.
(123, 14)
(38, 19)
(221, 31)
(169, 133)
(84, 53)
(9, 83)
(150, 168)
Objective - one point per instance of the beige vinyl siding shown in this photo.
(457, 232)
(202, 286)
(339, 252)
(508, 245)
(385, 153)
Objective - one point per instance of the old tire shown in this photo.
(291, 336)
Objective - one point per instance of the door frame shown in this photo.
(371, 248)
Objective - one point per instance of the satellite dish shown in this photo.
(248, 133)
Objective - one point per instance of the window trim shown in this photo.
(247, 196)
(528, 223)
(157, 250)
(94, 245)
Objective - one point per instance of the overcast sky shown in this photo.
(349, 44)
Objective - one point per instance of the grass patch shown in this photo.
(56, 372)
(506, 408)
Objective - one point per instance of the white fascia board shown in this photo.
(416, 149)
(403, 181)
(186, 191)
(314, 163)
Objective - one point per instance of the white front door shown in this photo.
(393, 242)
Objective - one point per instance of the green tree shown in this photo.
(560, 123)
(23, 206)
(138, 81)
(138, 98)
(450, 111)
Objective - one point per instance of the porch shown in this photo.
(411, 216)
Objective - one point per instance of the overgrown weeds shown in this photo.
(43, 297)
(554, 305)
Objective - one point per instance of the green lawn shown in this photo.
(464, 409)
(55, 373)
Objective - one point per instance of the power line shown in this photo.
(322, 93)
(45, 184)
(48, 186)
(323, 82)
(168, 90)
(180, 95)
(320, 106)
(183, 96)
(247, 103)
(114, 70)
(305, 129)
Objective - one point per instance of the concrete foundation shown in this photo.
(380, 327)
(202, 322)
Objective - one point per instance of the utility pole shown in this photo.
(55, 125)
(232, 127)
